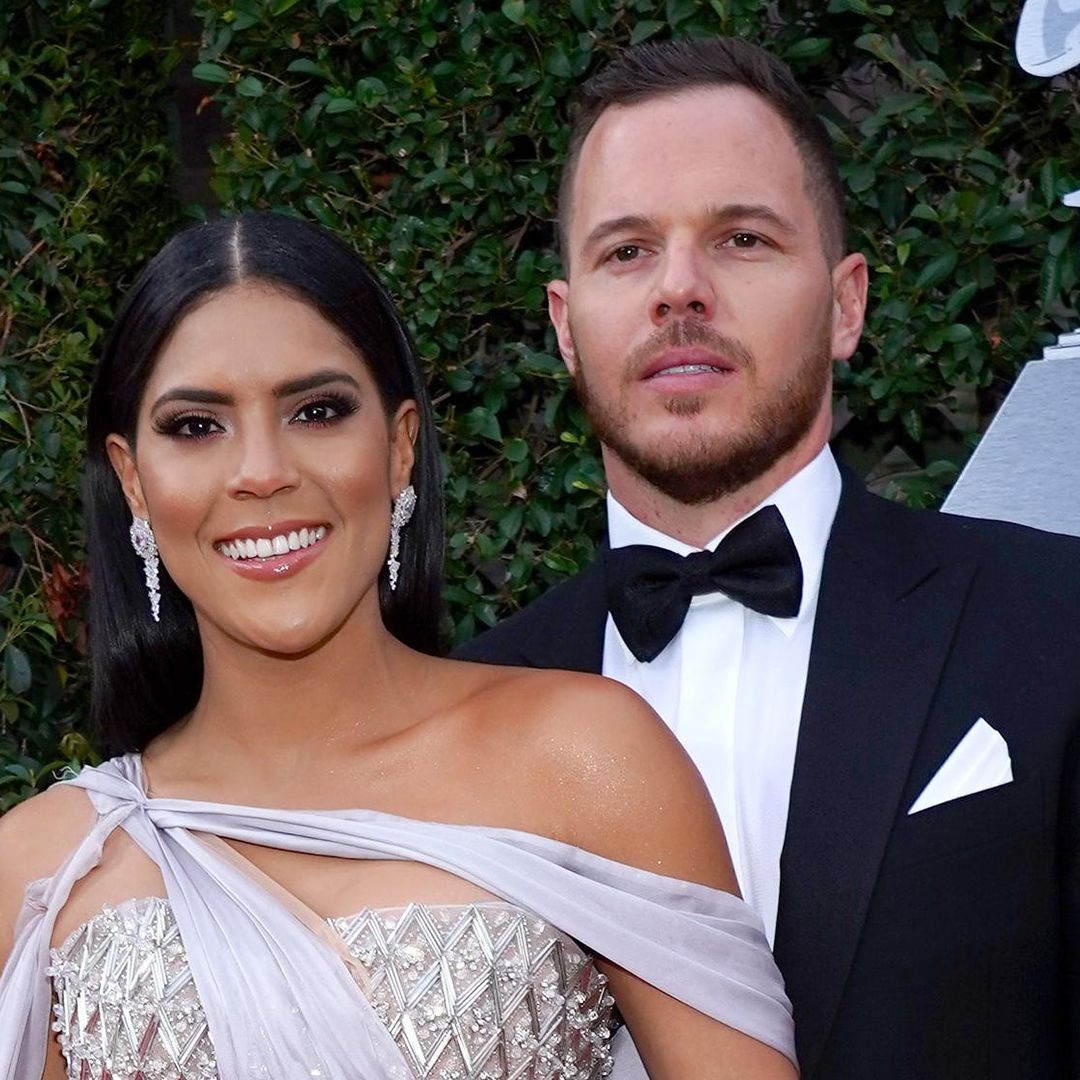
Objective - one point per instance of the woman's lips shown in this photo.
(276, 554)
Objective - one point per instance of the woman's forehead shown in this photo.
(253, 335)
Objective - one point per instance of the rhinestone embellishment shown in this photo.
(469, 992)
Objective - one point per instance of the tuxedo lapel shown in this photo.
(886, 615)
(566, 628)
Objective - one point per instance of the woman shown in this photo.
(263, 660)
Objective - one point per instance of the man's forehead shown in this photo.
(726, 138)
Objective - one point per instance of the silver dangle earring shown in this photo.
(142, 540)
(404, 505)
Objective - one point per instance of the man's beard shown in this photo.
(714, 464)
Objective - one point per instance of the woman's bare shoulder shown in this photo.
(608, 772)
(35, 838)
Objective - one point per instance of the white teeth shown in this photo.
(689, 369)
(264, 547)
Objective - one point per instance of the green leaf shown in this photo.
(584, 11)
(510, 522)
(913, 424)
(808, 48)
(960, 299)
(1049, 281)
(340, 105)
(937, 270)
(305, 66)
(514, 10)
(644, 30)
(558, 64)
(515, 450)
(250, 87)
(17, 673)
(957, 333)
(943, 149)
(282, 6)
(1048, 182)
(210, 73)
(861, 178)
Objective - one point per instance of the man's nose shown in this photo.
(683, 288)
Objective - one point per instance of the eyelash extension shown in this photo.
(343, 404)
(172, 423)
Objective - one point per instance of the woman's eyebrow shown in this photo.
(316, 379)
(201, 396)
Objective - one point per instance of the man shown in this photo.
(885, 704)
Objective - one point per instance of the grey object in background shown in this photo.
(1048, 37)
(1027, 467)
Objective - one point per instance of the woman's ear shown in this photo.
(122, 459)
(404, 428)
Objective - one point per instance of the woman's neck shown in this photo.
(275, 719)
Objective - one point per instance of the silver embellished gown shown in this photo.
(499, 989)
(484, 991)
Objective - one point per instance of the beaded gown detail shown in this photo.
(284, 994)
(482, 991)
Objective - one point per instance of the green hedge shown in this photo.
(83, 201)
(429, 134)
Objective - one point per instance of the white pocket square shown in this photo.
(980, 761)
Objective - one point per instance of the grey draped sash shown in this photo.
(279, 999)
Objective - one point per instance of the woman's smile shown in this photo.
(272, 552)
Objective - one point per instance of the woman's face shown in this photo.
(266, 465)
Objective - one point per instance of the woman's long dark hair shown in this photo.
(147, 675)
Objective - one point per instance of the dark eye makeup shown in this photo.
(325, 409)
(320, 410)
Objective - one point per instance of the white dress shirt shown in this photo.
(731, 683)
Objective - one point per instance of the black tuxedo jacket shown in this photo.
(942, 944)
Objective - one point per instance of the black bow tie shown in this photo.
(649, 589)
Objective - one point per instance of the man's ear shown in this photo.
(850, 281)
(122, 459)
(559, 313)
(404, 428)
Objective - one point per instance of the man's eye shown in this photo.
(626, 253)
(744, 240)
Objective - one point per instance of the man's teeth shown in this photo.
(690, 369)
(265, 547)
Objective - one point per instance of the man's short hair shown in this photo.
(660, 69)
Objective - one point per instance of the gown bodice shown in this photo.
(481, 991)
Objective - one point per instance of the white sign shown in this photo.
(1048, 37)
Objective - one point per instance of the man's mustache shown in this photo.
(687, 332)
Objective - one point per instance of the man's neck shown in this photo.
(697, 525)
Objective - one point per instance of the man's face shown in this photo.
(701, 318)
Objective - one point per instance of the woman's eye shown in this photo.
(322, 412)
(190, 427)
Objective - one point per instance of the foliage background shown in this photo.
(429, 134)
